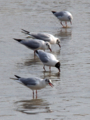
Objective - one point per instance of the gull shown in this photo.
(34, 83)
(44, 36)
(63, 16)
(35, 44)
(48, 59)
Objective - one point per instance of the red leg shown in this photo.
(62, 24)
(33, 94)
(44, 68)
(36, 94)
(50, 68)
(66, 24)
(34, 54)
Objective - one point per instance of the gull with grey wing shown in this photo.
(48, 59)
(34, 83)
(63, 16)
(35, 44)
(43, 36)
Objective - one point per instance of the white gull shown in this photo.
(35, 44)
(44, 36)
(34, 83)
(48, 59)
(63, 16)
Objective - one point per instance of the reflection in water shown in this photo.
(57, 52)
(65, 33)
(33, 106)
(49, 74)
(28, 62)
(32, 61)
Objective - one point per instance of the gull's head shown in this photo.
(48, 46)
(48, 81)
(58, 42)
(57, 65)
(70, 17)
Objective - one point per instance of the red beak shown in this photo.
(71, 22)
(59, 69)
(51, 84)
(59, 45)
(50, 49)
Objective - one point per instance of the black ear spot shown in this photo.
(58, 40)
(47, 80)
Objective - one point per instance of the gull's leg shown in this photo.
(33, 94)
(34, 53)
(66, 24)
(36, 94)
(62, 24)
(50, 68)
(44, 68)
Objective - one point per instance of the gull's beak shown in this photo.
(51, 84)
(59, 69)
(50, 49)
(71, 22)
(59, 45)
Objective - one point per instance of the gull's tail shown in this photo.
(17, 77)
(19, 40)
(25, 32)
(53, 12)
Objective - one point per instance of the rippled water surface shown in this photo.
(69, 99)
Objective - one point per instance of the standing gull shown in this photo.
(35, 44)
(63, 16)
(44, 36)
(48, 59)
(34, 83)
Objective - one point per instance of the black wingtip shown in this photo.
(19, 40)
(53, 12)
(17, 76)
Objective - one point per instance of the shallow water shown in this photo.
(69, 99)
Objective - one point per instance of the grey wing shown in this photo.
(43, 57)
(28, 81)
(58, 14)
(41, 36)
(32, 44)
